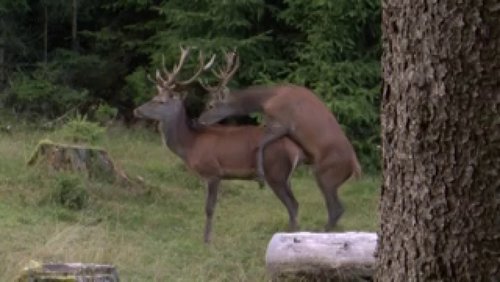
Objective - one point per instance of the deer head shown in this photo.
(219, 92)
(169, 97)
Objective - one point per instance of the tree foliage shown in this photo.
(331, 47)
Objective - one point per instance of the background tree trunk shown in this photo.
(74, 25)
(45, 33)
(2, 60)
(439, 198)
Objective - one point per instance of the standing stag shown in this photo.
(295, 112)
(219, 152)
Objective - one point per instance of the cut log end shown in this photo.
(325, 256)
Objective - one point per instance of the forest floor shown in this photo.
(152, 232)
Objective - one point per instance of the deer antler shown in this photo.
(203, 67)
(224, 74)
(169, 81)
(172, 75)
(232, 65)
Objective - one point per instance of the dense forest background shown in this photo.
(93, 56)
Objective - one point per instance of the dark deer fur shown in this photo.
(224, 152)
(216, 152)
(296, 112)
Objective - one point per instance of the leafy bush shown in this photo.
(80, 130)
(105, 113)
(69, 191)
(137, 87)
(38, 95)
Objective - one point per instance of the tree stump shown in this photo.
(95, 162)
(321, 256)
(73, 272)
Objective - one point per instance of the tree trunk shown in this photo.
(74, 29)
(45, 34)
(2, 60)
(439, 199)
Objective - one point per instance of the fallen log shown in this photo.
(310, 256)
(36, 271)
(93, 161)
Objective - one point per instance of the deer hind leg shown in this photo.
(278, 180)
(329, 180)
(273, 131)
(211, 200)
(284, 193)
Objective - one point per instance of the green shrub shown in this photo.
(80, 130)
(70, 192)
(37, 95)
(105, 113)
(137, 87)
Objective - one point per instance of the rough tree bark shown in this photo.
(45, 33)
(440, 114)
(2, 60)
(74, 24)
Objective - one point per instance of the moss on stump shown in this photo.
(93, 161)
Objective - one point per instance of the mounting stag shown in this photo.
(296, 112)
(219, 152)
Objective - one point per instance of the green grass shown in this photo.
(153, 236)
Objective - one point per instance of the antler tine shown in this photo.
(159, 79)
(224, 71)
(171, 75)
(178, 66)
(164, 67)
(148, 76)
(209, 89)
(232, 65)
(224, 74)
(202, 67)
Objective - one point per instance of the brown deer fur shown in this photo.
(223, 152)
(296, 112)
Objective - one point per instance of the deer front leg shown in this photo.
(211, 200)
(274, 131)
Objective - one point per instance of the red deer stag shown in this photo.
(293, 111)
(219, 152)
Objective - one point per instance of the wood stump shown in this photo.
(321, 256)
(73, 272)
(93, 161)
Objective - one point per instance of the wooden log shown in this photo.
(345, 256)
(36, 271)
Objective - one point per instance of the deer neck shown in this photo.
(250, 100)
(177, 133)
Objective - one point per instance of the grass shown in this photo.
(154, 236)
